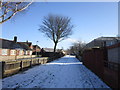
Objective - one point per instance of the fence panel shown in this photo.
(12, 67)
(93, 59)
(97, 61)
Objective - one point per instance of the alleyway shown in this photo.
(66, 72)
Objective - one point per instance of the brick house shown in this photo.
(36, 50)
(13, 48)
(28, 43)
(28, 47)
(48, 49)
(52, 50)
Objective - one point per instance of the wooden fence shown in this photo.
(93, 59)
(96, 61)
(12, 67)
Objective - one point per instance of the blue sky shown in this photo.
(90, 20)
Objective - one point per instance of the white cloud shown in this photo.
(71, 40)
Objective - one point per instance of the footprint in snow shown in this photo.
(101, 85)
(65, 85)
(40, 82)
(48, 82)
(36, 87)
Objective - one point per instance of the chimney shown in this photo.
(15, 39)
(27, 41)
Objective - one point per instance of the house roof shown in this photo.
(24, 46)
(36, 46)
(108, 38)
(51, 50)
(9, 44)
(28, 43)
(48, 49)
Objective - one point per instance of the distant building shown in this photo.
(102, 41)
(48, 49)
(48, 52)
(9, 47)
(36, 50)
(52, 50)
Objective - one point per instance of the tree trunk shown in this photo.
(55, 47)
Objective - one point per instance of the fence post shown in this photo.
(31, 63)
(43, 60)
(47, 59)
(21, 65)
(3, 68)
(38, 61)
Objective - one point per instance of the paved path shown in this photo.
(66, 72)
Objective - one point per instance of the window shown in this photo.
(112, 42)
(21, 52)
(30, 52)
(109, 43)
(26, 52)
(12, 52)
(4, 51)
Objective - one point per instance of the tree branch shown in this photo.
(14, 10)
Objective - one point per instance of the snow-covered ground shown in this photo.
(66, 72)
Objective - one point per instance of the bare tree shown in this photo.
(9, 8)
(77, 48)
(57, 28)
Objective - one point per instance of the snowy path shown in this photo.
(66, 72)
